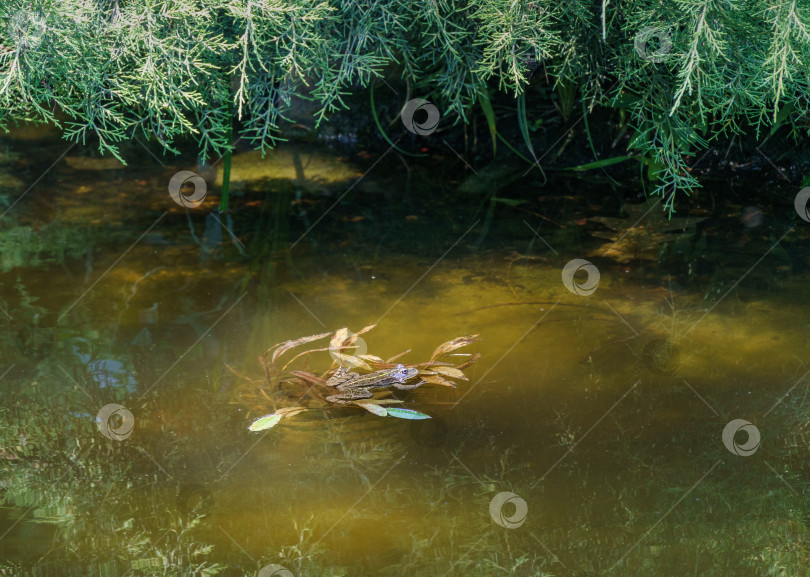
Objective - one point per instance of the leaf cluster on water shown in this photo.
(433, 371)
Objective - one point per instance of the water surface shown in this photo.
(587, 441)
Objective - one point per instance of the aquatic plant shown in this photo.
(53, 243)
(432, 371)
(67, 486)
(633, 239)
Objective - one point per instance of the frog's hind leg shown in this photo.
(341, 376)
(404, 387)
(345, 398)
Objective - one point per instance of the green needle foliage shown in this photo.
(170, 69)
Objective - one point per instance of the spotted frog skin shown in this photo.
(353, 386)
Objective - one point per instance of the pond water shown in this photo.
(641, 411)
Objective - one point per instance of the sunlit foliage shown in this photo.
(687, 71)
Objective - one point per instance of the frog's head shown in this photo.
(401, 373)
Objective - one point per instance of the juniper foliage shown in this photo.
(687, 71)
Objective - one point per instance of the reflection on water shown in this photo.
(588, 440)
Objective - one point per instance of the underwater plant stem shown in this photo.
(226, 165)
(226, 181)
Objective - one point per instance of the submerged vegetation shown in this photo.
(672, 76)
(90, 514)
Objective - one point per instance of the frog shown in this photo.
(353, 386)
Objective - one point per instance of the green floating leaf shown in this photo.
(407, 414)
(265, 422)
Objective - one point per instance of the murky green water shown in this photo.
(587, 441)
